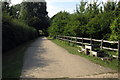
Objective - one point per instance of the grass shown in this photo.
(112, 52)
(108, 51)
(12, 61)
(71, 48)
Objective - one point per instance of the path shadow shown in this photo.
(34, 58)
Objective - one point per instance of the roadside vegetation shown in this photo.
(73, 49)
(21, 24)
(18, 26)
(13, 61)
(15, 33)
(91, 20)
(26, 21)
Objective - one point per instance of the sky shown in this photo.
(55, 6)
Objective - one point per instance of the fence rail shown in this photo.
(75, 40)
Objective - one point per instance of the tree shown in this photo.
(6, 6)
(115, 28)
(15, 11)
(98, 27)
(89, 20)
(81, 7)
(32, 12)
(110, 6)
(58, 23)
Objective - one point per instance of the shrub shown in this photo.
(15, 32)
(115, 28)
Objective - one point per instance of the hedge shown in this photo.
(15, 32)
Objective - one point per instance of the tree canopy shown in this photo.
(35, 12)
(22, 22)
(96, 20)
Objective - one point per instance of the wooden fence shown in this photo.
(75, 40)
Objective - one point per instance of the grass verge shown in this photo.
(71, 48)
(12, 61)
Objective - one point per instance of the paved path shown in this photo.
(44, 59)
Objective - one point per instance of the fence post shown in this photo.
(91, 44)
(119, 50)
(71, 39)
(101, 47)
(59, 37)
(76, 40)
(62, 38)
(68, 39)
(91, 41)
(82, 41)
(56, 36)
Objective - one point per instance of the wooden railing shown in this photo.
(75, 40)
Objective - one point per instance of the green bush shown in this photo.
(115, 29)
(96, 21)
(15, 32)
(99, 26)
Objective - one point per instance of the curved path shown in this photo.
(44, 59)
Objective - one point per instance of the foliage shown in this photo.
(90, 20)
(5, 7)
(35, 21)
(115, 28)
(110, 6)
(98, 27)
(18, 19)
(33, 13)
(58, 23)
(15, 11)
(19, 26)
(15, 32)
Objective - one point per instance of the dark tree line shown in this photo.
(22, 22)
(35, 14)
(97, 20)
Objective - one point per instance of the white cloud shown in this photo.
(16, 1)
(53, 7)
(52, 10)
(109, 1)
(62, 1)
